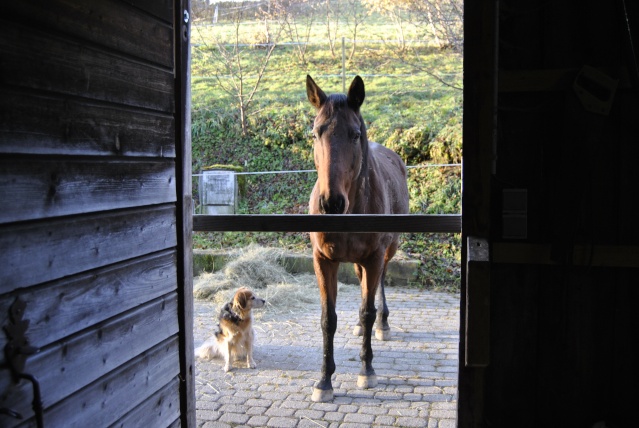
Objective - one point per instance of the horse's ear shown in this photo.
(356, 93)
(315, 95)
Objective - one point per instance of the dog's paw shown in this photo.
(227, 368)
(251, 364)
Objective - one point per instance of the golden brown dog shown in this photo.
(234, 337)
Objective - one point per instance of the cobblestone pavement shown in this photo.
(416, 369)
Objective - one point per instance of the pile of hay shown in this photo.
(258, 268)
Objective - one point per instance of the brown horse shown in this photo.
(355, 176)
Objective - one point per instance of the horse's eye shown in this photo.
(356, 136)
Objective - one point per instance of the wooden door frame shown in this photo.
(480, 73)
(184, 208)
(479, 127)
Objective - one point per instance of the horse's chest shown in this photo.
(350, 247)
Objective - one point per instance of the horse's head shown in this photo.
(340, 146)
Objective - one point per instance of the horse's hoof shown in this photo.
(322, 395)
(382, 334)
(367, 381)
(358, 330)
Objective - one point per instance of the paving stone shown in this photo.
(279, 412)
(385, 420)
(450, 414)
(447, 423)
(234, 418)
(292, 404)
(334, 416)
(369, 410)
(280, 422)
(207, 405)
(256, 410)
(211, 424)
(258, 421)
(232, 399)
(233, 408)
(354, 425)
(308, 423)
(348, 408)
(404, 412)
(207, 415)
(411, 422)
(309, 414)
(326, 407)
(259, 402)
(359, 418)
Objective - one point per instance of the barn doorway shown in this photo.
(262, 219)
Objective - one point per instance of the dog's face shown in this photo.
(246, 300)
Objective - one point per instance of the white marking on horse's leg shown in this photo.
(369, 381)
(358, 330)
(322, 395)
(382, 334)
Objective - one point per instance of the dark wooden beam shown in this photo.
(445, 223)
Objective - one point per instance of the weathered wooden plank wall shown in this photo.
(90, 183)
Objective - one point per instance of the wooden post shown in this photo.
(184, 212)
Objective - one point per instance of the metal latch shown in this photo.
(477, 302)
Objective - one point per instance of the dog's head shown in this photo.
(245, 300)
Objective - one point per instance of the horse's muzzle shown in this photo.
(332, 205)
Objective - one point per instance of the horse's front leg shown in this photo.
(372, 271)
(326, 272)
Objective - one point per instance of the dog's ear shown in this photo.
(241, 298)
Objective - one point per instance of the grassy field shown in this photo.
(413, 105)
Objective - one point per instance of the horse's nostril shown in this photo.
(339, 205)
(332, 204)
(323, 205)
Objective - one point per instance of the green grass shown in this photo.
(406, 108)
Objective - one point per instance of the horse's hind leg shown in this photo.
(382, 329)
(358, 330)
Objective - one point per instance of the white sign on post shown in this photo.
(218, 192)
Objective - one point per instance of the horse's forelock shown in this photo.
(333, 103)
(336, 102)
